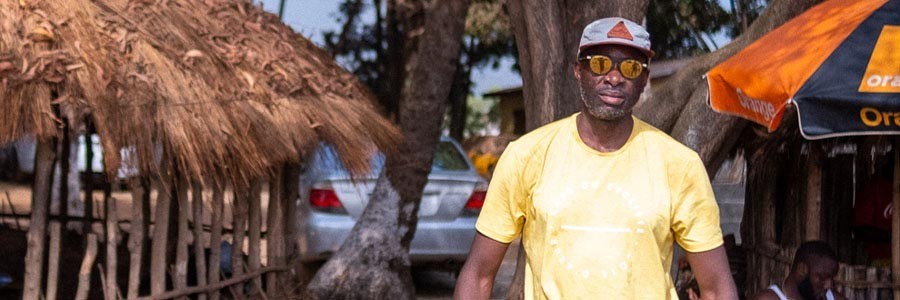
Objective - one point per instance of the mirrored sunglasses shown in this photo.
(602, 64)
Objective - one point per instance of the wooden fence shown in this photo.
(180, 206)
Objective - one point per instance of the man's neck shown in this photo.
(604, 135)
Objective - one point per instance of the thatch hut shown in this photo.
(195, 90)
(799, 190)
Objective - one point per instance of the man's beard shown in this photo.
(806, 289)
(600, 110)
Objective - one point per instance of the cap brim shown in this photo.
(648, 52)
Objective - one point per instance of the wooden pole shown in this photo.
(254, 228)
(84, 275)
(53, 259)
(112, 240)
(814, 192)
(895, 224)
(88, 184)
(199, 255)
(58, 207)
(34, 259)
(136, 240)
(291, 193)
(215, 237)
(160, 232)
(181, 250)
(239, 221)
(275, 233)
(217, 286)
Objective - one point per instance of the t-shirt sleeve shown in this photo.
(502, 215)
(695, 214)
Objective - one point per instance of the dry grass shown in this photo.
(220, 86)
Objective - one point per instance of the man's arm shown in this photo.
(712, 273)
(477, 276)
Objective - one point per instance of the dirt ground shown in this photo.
(15, 199)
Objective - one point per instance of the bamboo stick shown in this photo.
(34, 259)
(254, 228)
(217, 286)
(239, 221)
(84, 275)
(181, 250)
(895, 224)
(136, 240)
(215, 237)
(291, 193)
(112, 235)
(59, 207)
(275, 232)
(89, 184)
(53, 260)
(160, 232)
(199, 253)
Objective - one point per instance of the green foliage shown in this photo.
(682, 28)
(678, 27)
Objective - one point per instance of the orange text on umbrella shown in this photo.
(873, 117)
(883, 72)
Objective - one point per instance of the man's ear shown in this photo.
(577, 71)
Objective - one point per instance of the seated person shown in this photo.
(811, 276)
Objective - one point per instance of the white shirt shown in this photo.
(774, 288)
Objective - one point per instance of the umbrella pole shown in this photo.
(895, 228)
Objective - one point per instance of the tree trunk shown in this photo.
(547, 36)
(34, 258)
(373, 263)
(459, 94)
(679, 106)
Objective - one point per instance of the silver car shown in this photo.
(450, 204)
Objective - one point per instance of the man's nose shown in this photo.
(614, 77)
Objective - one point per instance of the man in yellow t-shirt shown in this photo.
(600, 197)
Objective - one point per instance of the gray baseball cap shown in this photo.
(616, 31)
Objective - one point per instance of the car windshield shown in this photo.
(446, 158)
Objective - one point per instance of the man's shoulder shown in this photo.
(654, 137)
(766, 294)
(541, 137)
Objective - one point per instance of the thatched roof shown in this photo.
(218, 84)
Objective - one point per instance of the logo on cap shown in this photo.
(620, 31)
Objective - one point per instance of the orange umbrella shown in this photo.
(838, 62)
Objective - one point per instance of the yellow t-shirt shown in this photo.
(600, 225)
